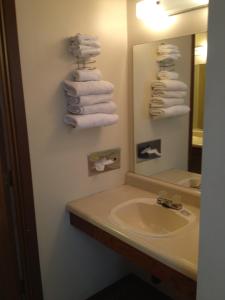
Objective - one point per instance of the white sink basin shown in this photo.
(143, 216)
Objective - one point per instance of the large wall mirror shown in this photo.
(169, 91)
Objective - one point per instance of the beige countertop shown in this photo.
(179, 252)
(176, 176)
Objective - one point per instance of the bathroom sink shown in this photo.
(143, 216)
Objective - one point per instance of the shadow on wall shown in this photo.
(81, 275)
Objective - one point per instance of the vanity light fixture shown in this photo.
(201, 52)
(153, 14)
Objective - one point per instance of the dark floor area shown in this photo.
(130, 288)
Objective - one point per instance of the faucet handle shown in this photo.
(164, 202)
(166, 195)
(173, 202)
(177, 206)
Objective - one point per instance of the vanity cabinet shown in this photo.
(180, 286)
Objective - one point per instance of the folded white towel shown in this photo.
(74, 41)
(90, 121)
(88, 100)
(168, 57)
(82, 51)
(88, 88)
(105, 108)
(165, 102)
(167, 63)
(174, 111)
(169, 85)
(79, 47)
(94, 44)
(168, 75)
(168, 94)
(83, 37)
(164, 47)
(87, 75)
(168, 51)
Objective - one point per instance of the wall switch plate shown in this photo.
(149, 150)
(104, 161)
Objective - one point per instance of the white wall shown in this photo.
(73, 266)
(173, 132)
(212, 243)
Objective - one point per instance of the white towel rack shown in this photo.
(170, 67)
(82, 63)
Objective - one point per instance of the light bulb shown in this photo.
(201, 53)
(153, 14)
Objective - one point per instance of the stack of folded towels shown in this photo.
(168, 92)
(84, 46)
(89, 98)
(168, 97)
(89, 103)
(167, 54)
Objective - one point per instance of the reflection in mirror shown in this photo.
(198, 102)
(169, 87)
(178, 6)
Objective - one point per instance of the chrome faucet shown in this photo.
(168, 203)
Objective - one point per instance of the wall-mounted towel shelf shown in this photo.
(168, 91)
(166, 67)
(82, 64)
(89, 98)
